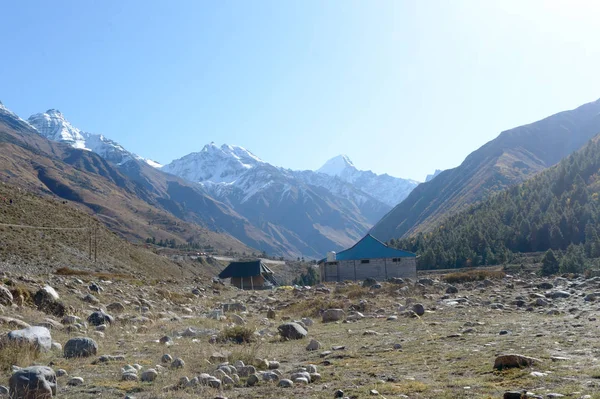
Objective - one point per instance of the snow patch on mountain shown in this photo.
(213, 164)
(388, 189)
(337, 166)
(54, 126)
(11, 114)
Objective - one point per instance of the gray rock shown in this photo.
(313, 345)
(3, 390)
(270, 376)
(129, 376)
(292, 331)
(35, 382)
(418, 309)
(149, 375)
(451, 290)
(80, 347)
(51, 292)
(166, 358)
(99, 317)
(61, 373)
(37, 337)
(331, 315)
(214, 382)
(252, 380)
(246, 371)
(75, 381)
(46, 302)
(513, 361)
(177, 363)
(285, 383)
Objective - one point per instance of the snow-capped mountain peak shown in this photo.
(53, 125)
(214, 164)
(336, 166)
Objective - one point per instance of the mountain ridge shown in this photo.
(511, 158)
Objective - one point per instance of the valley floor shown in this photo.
(448, 352)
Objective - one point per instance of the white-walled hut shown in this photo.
(368, 258)
(250, 275)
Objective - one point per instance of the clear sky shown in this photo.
(401, 87)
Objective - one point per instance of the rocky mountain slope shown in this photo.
(130, 199)
(513, 157)
(557, 209)
(254, 199)
(53, 126)
(307, 212)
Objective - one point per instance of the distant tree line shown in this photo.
(558, 209)
(172, 243)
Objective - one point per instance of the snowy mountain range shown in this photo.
(295, 213)
(390, 190)
(53, 125)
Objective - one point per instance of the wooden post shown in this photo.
(241, 282)
(251, 283)
(95, 242)
(354, 262)
(385, 266)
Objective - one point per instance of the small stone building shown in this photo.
(368, 258)
(252, 275)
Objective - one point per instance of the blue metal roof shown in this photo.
(370, 247)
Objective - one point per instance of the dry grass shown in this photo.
(17, 354)
(473, 275)
(438, 359)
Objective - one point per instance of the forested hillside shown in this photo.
(512, 158)
(557, 209)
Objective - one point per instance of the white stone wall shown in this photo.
(379, 269)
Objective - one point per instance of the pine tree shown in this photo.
(550, 264)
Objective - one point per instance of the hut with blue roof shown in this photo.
(368, 258)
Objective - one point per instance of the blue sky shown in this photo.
(400, 87)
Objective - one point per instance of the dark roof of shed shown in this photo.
(370, 247)
(245, 269)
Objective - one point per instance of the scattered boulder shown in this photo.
(80, 347)
(331, 315)
(313, 345)
(451, 290)
(292, 331)
(369, 282)
(149, 375)
(178, 363)
(419, 309)
(513, 361)
(35, 382)
(75, 381)
(38, 337)
(252, 380)
(46, 301)
(99, 317)
(285, 383)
